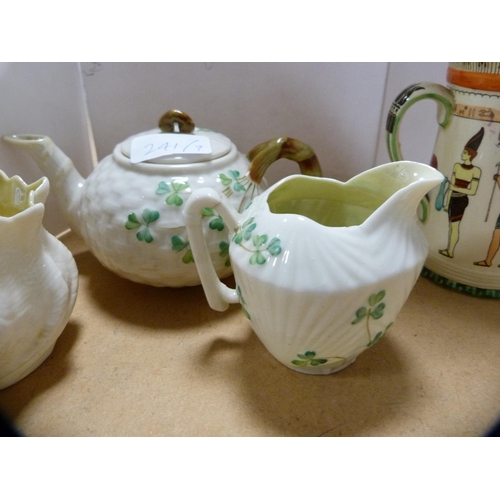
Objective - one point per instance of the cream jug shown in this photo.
(322, 268)
(38, 280)
(460, 219)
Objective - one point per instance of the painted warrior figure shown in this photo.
(495, 238)
(463, 183)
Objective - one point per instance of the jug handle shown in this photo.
(262, 155)
(409, 96)
(218, 294)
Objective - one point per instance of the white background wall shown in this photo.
(338, 108)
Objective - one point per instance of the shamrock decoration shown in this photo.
(244, 234)
(148, 216)
(224, 252)
(242, 302)
(233, 178)
(178, 245)
(376, 311)
(309, 358)
(173, 191)
(216, 223)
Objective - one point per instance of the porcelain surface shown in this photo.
(130, 214)
(322, 268)
(460, 218)
(38, 280)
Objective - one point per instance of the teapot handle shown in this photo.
(262, 155)
(218, 294)
(409, 96)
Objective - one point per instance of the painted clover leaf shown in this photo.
(173, 191)
(178, 245)
(163, 188)
(258, 241)
(245, 232)
(375, 311)
(309, 358)
(234, 182)
(224, 252)
(379, 335)
(225, 180)
(148, 217)
(242, 302)
(257, 258)
(216, 223)
(274, 247)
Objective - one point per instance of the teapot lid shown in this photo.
(177, 122)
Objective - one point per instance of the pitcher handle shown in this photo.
(266, 153)
(218, 294)
(409, 96)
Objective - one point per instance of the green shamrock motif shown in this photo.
(178, 245)
(259, 242)
(216, 223)
(242, 302)
(309, 358)
(148, 216)
(224, 252)
(374, 310)
(233, 181)
(172, 189)
(245, 232)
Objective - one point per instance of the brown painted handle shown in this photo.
(268, 152)
(170, 118)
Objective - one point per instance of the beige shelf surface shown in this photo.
(136, 360)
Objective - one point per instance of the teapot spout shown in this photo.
(65, 181)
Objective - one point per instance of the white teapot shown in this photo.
(129, 210)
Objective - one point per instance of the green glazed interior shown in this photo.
(15, 196)
(327, 203)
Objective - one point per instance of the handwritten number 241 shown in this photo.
(167, 146)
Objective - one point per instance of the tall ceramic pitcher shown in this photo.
(461, 218)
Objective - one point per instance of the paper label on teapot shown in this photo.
(149, 147)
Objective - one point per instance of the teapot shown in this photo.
(129, 210)
(322, 268)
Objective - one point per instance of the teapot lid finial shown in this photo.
(168, 122)
(178, 122)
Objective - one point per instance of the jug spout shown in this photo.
(403, 185)
(65, 181)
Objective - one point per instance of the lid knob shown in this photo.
(170, 119)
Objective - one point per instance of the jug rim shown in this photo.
(378, 194)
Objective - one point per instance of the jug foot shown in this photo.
(26, 368)
(460, 287)
(322, 369)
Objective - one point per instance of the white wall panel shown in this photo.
(338, 108)
(43, 98)
(334, 107)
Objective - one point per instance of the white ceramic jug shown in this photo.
(38, 280)
(322, 267)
